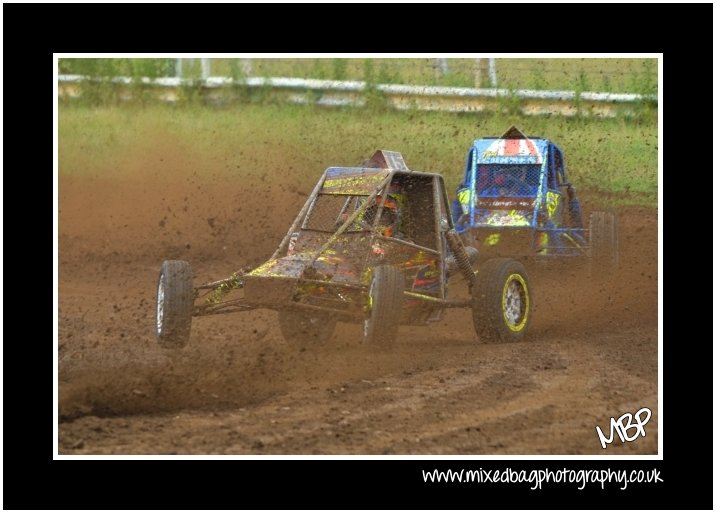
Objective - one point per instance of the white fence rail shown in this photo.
(336, 93)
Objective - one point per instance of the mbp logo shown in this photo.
(623, 425)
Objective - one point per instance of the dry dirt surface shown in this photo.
(239, 388)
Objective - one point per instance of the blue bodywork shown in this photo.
(515, 199)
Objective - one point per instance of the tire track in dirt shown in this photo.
(419, 411)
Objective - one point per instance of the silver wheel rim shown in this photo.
(160, 305)
(513, 303)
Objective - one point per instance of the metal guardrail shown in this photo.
(335, 93)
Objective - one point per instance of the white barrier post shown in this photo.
(493, 72)
(247, 67)
(442, 65)
(205, 68)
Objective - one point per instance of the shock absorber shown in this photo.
(461, 256)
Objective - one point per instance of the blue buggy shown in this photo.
(515, 201)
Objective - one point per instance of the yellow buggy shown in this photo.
(373, 244)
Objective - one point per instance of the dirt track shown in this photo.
(239, 388)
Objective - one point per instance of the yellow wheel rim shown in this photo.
(515, 303)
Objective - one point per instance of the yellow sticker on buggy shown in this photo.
(552, 200)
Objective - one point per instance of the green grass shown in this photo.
(582, 74)
(297, 143)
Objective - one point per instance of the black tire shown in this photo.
(604, 244)
(502, 301)
(175, 304)
(305, 328)
(385, 303)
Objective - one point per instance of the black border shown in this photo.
(32, 480)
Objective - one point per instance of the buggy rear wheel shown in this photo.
(305, 328)
(604, 243)
(501, 301)
(385, 303)
(175, 304)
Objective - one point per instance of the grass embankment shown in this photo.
(616, 158)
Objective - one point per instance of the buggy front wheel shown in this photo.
(501, 301)
(175, 304)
